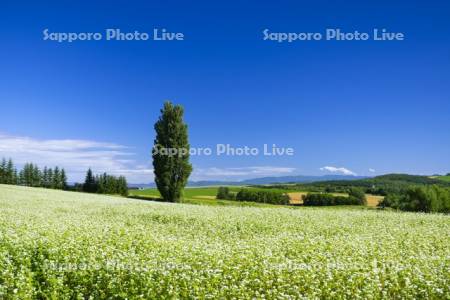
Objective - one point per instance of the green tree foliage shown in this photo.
(105, 184)
(171, 170)
(260, 196)
(380, 185)
(63, 179)
(3, 171)
(224, 193)
(423, 199)
(358, 195)
(122, 186)
(56, 182)
(90, 184)
(31, 175)
(49, 182)
(36, 176)
(45, 178)
(324, 199)
(8, 172)
(10, 169)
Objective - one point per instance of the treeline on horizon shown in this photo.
(260, 196)
(380, 185)
(31, 175)
(356, 196)
(419, 198)
(55, 178)
(401, 191)
(103, 184)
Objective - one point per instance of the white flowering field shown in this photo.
(57, 245)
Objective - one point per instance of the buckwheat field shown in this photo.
(57, 245)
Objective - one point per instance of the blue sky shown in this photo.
(356, 107)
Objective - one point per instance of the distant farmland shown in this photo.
(207, 195)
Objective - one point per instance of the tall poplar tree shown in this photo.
(171, 171)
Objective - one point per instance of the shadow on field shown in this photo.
(146, 198)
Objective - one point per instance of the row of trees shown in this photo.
(355, 196)
(31, 175)
(55, 178)
(8, 173)
(261, 196)
(224, 193)
(105, 184)
(380, 185)
(421, 199)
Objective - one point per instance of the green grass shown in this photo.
(67, 245)
(443, 178)
(201, 195)
(189, 193)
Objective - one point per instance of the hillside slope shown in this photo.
(71, 245)
(383, 184)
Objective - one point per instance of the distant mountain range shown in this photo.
(262, 180)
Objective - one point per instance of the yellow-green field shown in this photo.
(443, 178)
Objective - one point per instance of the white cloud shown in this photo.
(340, 170)
(371, 170)
(238, 173)
(76, 156)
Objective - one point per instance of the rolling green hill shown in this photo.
(390, 183)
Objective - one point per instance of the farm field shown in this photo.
(207, 195)
(373, 200)
(57, 244)
(197, 195)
